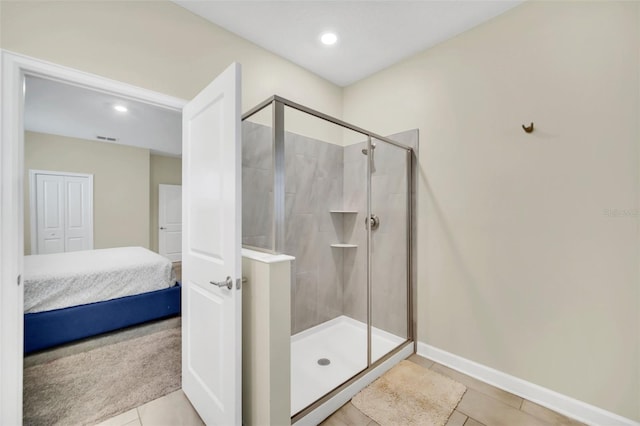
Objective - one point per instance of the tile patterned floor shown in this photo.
(170, 410)
(481, 405)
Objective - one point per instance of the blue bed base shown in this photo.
(51, 328)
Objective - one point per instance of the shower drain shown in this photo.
(324, 361)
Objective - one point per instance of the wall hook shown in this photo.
(529, 128)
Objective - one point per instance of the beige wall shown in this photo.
(164, 170)
(156, 45)
(120, 185)
(522, 266)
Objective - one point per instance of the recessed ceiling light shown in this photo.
(328, 38)
(120, 108)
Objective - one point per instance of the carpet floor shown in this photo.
(409, 394)
(92, 386)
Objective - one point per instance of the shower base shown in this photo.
(343, 342)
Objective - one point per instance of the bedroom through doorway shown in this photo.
(102, 252)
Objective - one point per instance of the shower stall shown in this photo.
(339, 199)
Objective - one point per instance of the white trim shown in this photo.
(49, 70)
(33, 203)
(263, 257)
(332, 405)
(555, 401)
(11, 245)
(13, 69)
(56, 173)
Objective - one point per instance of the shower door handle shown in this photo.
(375, 222)
(228, 283)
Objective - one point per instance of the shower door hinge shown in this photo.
(19, 280)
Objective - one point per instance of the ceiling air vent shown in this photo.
(106, 138)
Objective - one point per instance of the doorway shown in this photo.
(216, 137)
(12, 225)
(65, 152)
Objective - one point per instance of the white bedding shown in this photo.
(54, 281)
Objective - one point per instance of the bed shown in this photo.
(70, 296)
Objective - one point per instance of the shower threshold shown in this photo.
(327, 355)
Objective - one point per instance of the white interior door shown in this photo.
(170, 222)
(211, 193)
(61, 212)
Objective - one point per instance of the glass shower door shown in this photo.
(389, 247)
(325, 184)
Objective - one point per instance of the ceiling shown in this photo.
(62, 109)
(372, 35)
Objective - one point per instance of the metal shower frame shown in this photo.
(278, 225)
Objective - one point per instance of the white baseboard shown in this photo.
(555, 401)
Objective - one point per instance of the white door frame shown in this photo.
(33, 203)
(14, 67)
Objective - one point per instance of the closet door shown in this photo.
(78, 232)
(50, 213)
(62, 212)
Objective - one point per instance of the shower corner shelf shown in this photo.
(344, 245)
(343, 211)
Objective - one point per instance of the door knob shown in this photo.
(162, 227)
(228, 283)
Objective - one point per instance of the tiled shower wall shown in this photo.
(328, 282)
(313, 187)
(257, 186)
